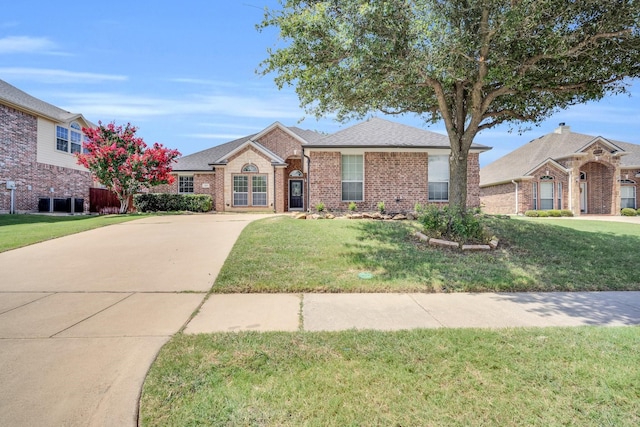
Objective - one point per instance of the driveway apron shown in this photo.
(83, 317)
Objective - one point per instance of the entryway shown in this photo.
(296, 194)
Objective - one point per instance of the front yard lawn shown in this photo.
(281, 254)
(22, 230)
(455, 377)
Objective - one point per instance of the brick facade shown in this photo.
(34, 180)
(596, 163)
(399, 179)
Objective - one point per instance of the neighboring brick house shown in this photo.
(38, 170)
(285, 169)
(563, 170)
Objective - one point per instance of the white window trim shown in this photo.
(439, 182)
(342, 199)
(193, 184)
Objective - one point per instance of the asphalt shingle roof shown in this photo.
(377, 132)
(551, 146)
(23, 100)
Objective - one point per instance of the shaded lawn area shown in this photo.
(281, 254)
(456, 377)
(22, 230)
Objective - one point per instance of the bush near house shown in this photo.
(451, 224)
(628, 212)
(173, 202)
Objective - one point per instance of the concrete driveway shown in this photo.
(83, 317)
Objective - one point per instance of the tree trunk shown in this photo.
(124, 203)
(458, 179)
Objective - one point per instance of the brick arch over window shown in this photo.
(600, 187)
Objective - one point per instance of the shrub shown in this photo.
(320, 207)
(628, 212)
(353, 207)
(381, 207)
(638, 211)
(566, 212)
(155, 202)
(543, 214)
(532, 214)
(554, 213)
(452, 224)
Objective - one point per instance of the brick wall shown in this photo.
(501, 199)
(388, 176)
(325, 179)
(394, 176)
(281, 143)
(18, 142)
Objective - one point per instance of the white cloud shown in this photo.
(225, 136)
(46, 75)
(27, 44)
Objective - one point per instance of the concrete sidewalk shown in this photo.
(334, 312)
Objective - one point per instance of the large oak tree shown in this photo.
(473, 64)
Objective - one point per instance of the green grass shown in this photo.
(455, 377)
(281, 254)
(22, 230)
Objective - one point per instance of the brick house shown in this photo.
(563, 170)
(38, 170)
(284, 169)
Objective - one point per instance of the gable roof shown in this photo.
(205, 159)
(18, 99)
(377, 132)
(275, 159)
(555, 145)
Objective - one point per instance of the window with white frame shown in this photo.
(240, 190)
(559, 205)
(185, 184)
(62, 138)
(627, 194)
(250, 187)
(69, 139)
(259, 190)
(352, 177)
(534, 191)
(546, 193)
(438, 178)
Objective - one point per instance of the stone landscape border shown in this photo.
(493, 243)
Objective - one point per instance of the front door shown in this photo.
(296, 194)
(583, 197)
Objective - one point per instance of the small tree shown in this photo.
(123, 163)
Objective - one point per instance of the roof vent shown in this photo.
(562, 128)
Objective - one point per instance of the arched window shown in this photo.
(250, 167)
(295, 173)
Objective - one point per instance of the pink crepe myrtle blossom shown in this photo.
(123, 162)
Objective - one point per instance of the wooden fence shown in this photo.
(105, 201)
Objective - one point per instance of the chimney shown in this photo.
(562, 129)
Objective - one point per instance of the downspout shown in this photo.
(274, 189)
(308, 179)
(516, 184)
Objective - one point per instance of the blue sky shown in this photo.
(184, 73)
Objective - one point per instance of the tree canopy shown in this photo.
(123, 162)
(473, 64)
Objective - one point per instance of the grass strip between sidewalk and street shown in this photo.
(588, 376)
(23, 230)
(281, 254)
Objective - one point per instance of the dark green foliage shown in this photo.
(162, 202)
(452, 224)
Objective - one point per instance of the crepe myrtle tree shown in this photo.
(123, 162)
(473, 64)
